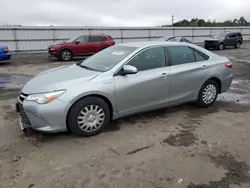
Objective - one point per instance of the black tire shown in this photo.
(78, 107)
(200, 101)
(66, 55)
(207, 48)
(221, 46)
(237, 44)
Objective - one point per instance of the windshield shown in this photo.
(108, 58)
(220, 35)
(72, 39)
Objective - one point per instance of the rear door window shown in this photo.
(233, 35)
(82, 39)
(181, 55)
(239, 34)
(97, 38)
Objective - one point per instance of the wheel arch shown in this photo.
(60, 51)
(217, 80)
(104, 98)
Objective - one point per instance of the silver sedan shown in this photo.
(119, 81)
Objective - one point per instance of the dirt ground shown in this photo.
(172, 148)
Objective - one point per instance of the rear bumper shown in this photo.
(5, 57)
(226, 83)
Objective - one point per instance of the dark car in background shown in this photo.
(174, 39)
(222, 40)
(83, 45)
(4, 53)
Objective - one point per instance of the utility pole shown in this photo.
(172, 20)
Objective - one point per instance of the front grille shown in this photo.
(22, 96)
(25, 121)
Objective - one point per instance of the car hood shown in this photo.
(58, 78)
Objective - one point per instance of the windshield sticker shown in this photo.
(118, 53)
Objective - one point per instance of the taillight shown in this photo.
(229, 65)
(5, 50)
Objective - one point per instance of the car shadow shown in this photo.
(192, 111)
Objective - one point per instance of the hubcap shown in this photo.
(238, 45)
(91, 118)
(66, 55)
(221, 46)
(209, 94)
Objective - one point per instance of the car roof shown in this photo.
(94, 35)
(152, 43)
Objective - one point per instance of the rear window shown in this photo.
(200, 56)
(239, 34)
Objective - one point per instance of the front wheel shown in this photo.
(237, 45)
(88, 116)
(221, 46)
(66, 55)
(208, 94)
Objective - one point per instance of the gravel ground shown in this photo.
(174, 148)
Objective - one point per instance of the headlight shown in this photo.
(44, 98)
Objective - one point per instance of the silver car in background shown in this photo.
(119, 81)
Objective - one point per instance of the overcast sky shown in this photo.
(117, 12)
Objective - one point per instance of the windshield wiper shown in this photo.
(86, 67)
(83, 66)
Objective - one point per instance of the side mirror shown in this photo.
(128, 69)
(77, 42)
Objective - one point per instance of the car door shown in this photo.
(189, 70)
(96, 43)
(80, 46)
(231, 39)
(148, 88)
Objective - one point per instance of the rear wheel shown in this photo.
(66, 55)
(208, 94)
(221, 46)
(88, 116)
(237, 45)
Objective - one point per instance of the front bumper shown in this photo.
(211, 44)
(53, 53)
(49, 117)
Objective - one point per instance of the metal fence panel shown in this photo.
(39, 38)
(136, 33)
(67, 34)
(161, 32)
(34, 45)
(183, 32)
(34, 34)
(6, 35)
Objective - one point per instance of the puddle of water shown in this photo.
(239, 92)
(13, 81)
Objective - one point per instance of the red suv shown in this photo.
(83, 45)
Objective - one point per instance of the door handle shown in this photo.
(163, 75)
